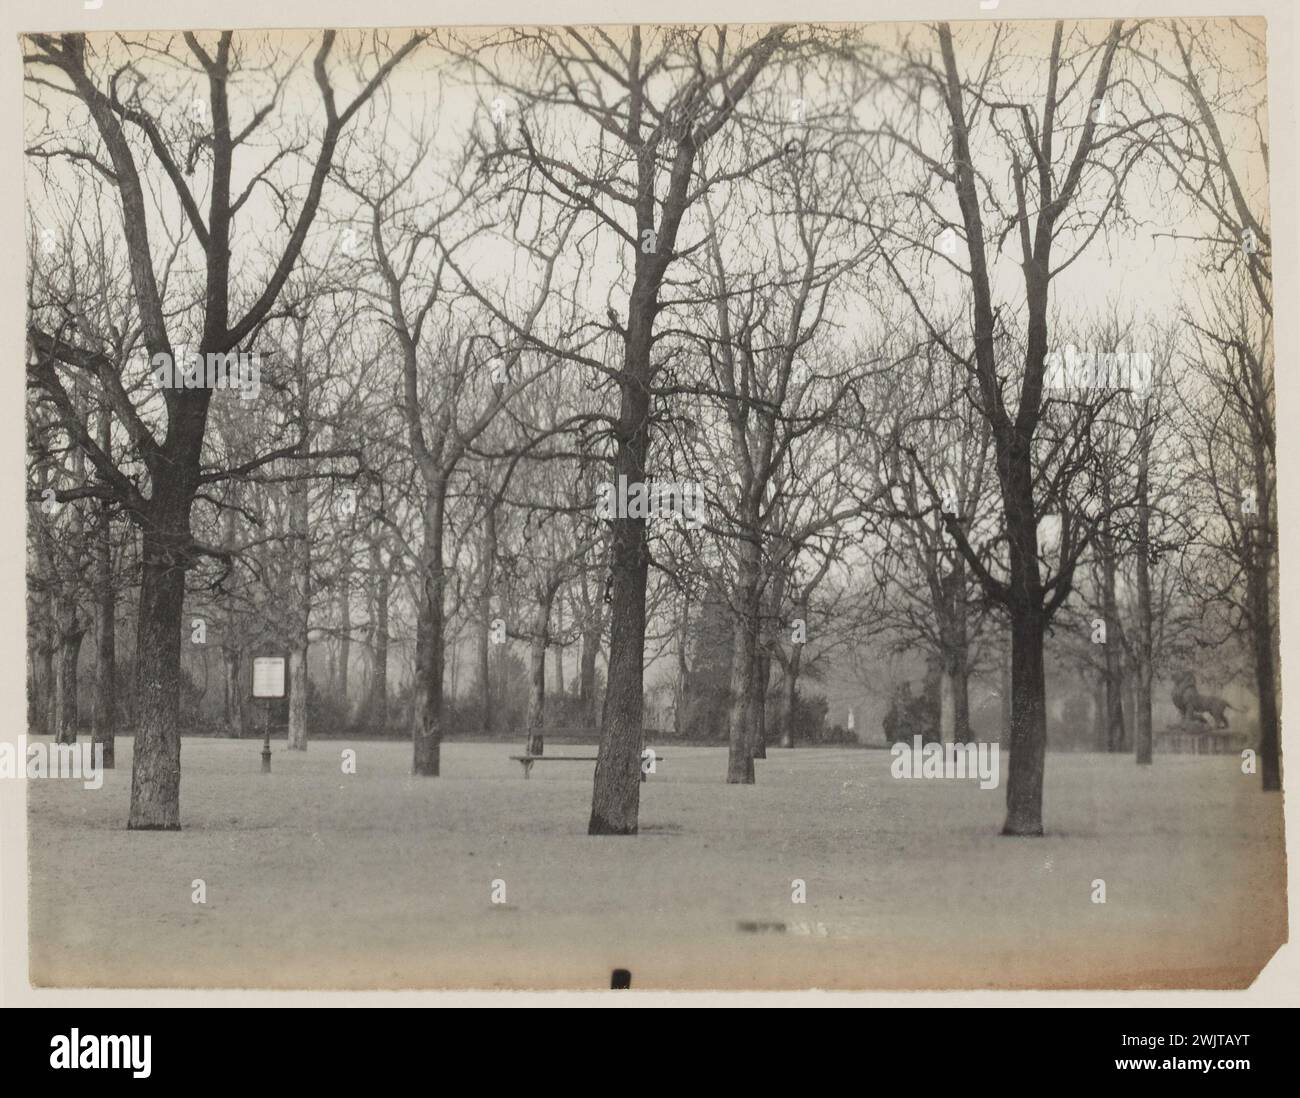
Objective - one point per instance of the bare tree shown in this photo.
(647, 104)
(1061, 196)
(1223, 171)
(128, 102)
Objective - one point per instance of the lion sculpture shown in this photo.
(1195, 706)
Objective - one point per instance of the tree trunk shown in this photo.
(485, 618)
(453, 672)
(791, 694)
(1114, 677)
(1142, 737)
(766, 628)
(43, 689)
(1004, 699)
(300, 550)
(1100, 725)
(1028, 726)
(958, 654)
(378, 704)
(557, 682)
(1116, 732)
(297, 669)
(587, 667)
(616, 790)
(156, 759)
(484, 655)
(762, 681)
(932, 692)
(103, 728)
(71, 634)
(430, 643)
(959, 692)
(49, 692)
(537, 680)
(1261, 635)
(344, 668)
(43, 621)
(683, 668)
(1028, 748)
(235, 710)
(71, 629)
(298, 696)
(740, 736)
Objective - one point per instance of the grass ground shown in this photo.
(317, 878)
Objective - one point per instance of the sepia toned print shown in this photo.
(745, 507)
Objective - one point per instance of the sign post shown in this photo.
(268, 685)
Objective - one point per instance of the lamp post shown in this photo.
(268, 685)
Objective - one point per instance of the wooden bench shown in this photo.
(527, 761)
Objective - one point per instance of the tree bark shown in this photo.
(932, 692)
(43, 687)
(558, 677)
(378, 702)
(1028, 727)
(300, 554)
(762, 681)
(485, 619)
(1114, 674)
(1100, 724)
(1142, 732)
(236, 714)
(683, 670)
(71, 634)
(740, 736)
(430, 641)
(770, 607)
(957, 656)
(1261, 634)
(959, 689)
(593, 628)
(297, 671)
(43, 623)
(71, 627)
(792, 693)
(616, 789)
(483, 639)
(537, 680)
(1004, 683)
(103, 727)
(156, 755)
(344, 667)
(156, 759)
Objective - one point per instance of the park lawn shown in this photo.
(320, 879)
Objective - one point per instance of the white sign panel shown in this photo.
(268, 677)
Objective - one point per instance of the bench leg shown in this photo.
(527, 765)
